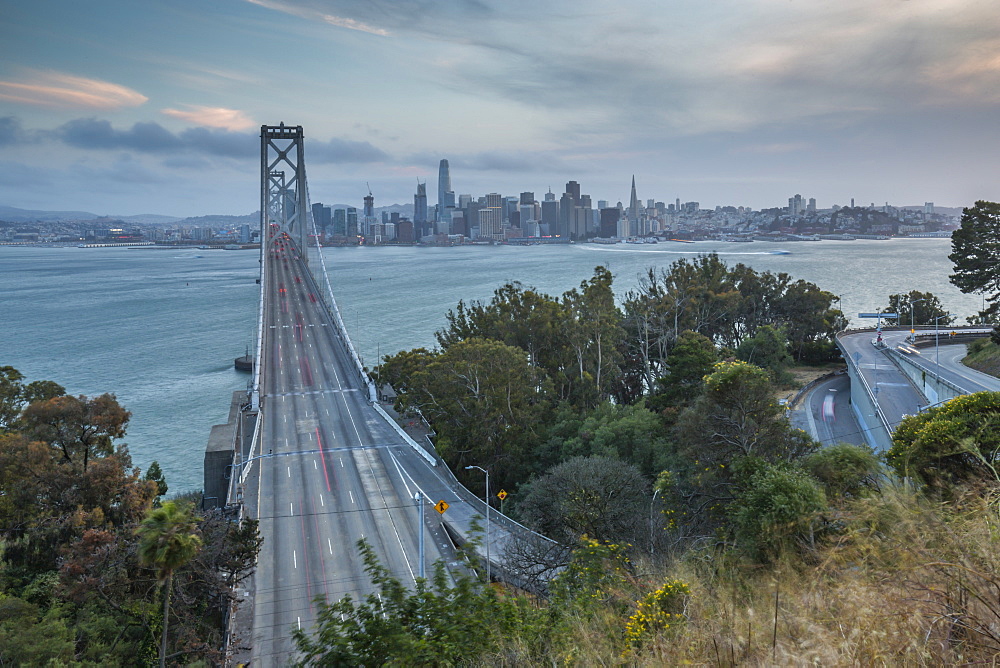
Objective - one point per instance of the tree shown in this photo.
(957, 442)
(777, 507)
(737, 416)
(975, 247)
(630, 433)
(768, 349)
(81, 428)
(576, 341)
(595, 335)
(15, 395)
(434, 623)
(603, 498)
(844, 469)
(166, 542)
(487, 405)
(155, 474)
(691, 359)
(925, 308)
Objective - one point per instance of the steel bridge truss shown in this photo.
(284, 199)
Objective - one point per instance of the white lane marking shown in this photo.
(352, 495)
(314, 465)
(295, 562)
(321, 500)
(341, 462)
(291, 508)
(329, 545)
(286, 418)
(289, 468)
(404, 475)
(299, 620)
(327, 411)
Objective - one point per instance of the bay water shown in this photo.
(160, 327)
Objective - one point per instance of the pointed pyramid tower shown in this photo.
(633, 203)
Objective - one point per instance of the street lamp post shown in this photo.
(913, 331)
(488, 570)
(937, 340)
(420, 507)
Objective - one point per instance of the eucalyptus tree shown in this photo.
(976, 253)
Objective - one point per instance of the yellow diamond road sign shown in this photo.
(502, 494)
(441, 506)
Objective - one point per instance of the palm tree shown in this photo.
(166, 542)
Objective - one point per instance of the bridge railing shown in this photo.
(331, 304)
(880, 440)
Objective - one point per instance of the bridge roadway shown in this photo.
(897, 396)
(330, 471)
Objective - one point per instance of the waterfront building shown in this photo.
(491, 217)
(352, 222)
(609, 222)
(550, 215)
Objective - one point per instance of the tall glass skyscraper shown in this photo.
(420, 210)
(446, 196)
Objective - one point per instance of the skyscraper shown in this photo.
(633, 203)
(420, 210)
(573, 189)
(444, 187)
(491, 217)
(369, 214)
(550, 214)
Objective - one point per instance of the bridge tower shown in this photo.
(284, 201)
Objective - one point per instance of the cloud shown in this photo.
(54, 89)
(91, 133)
(337, 151)
(213, 117)
(500, 161)
(221, 143)
(313, 14)
(152, 138)
(11, 131)
(773, 148)
(656, 70)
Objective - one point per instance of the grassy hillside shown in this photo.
(984, 355)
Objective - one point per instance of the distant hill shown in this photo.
(943, 210)
(220, 220)
(15, 215)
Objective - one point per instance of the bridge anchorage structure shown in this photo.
(283, 201)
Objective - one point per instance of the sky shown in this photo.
(148, 106)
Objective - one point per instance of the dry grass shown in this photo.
(906, 582)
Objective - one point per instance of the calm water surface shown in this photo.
(160, 327)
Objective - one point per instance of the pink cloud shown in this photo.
(54, 89)
(213, 117)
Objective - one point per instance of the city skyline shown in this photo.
(141, 108)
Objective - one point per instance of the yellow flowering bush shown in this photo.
(658, 611)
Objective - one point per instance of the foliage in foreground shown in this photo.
(904, 581)
(435, 623)
(73, 588)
